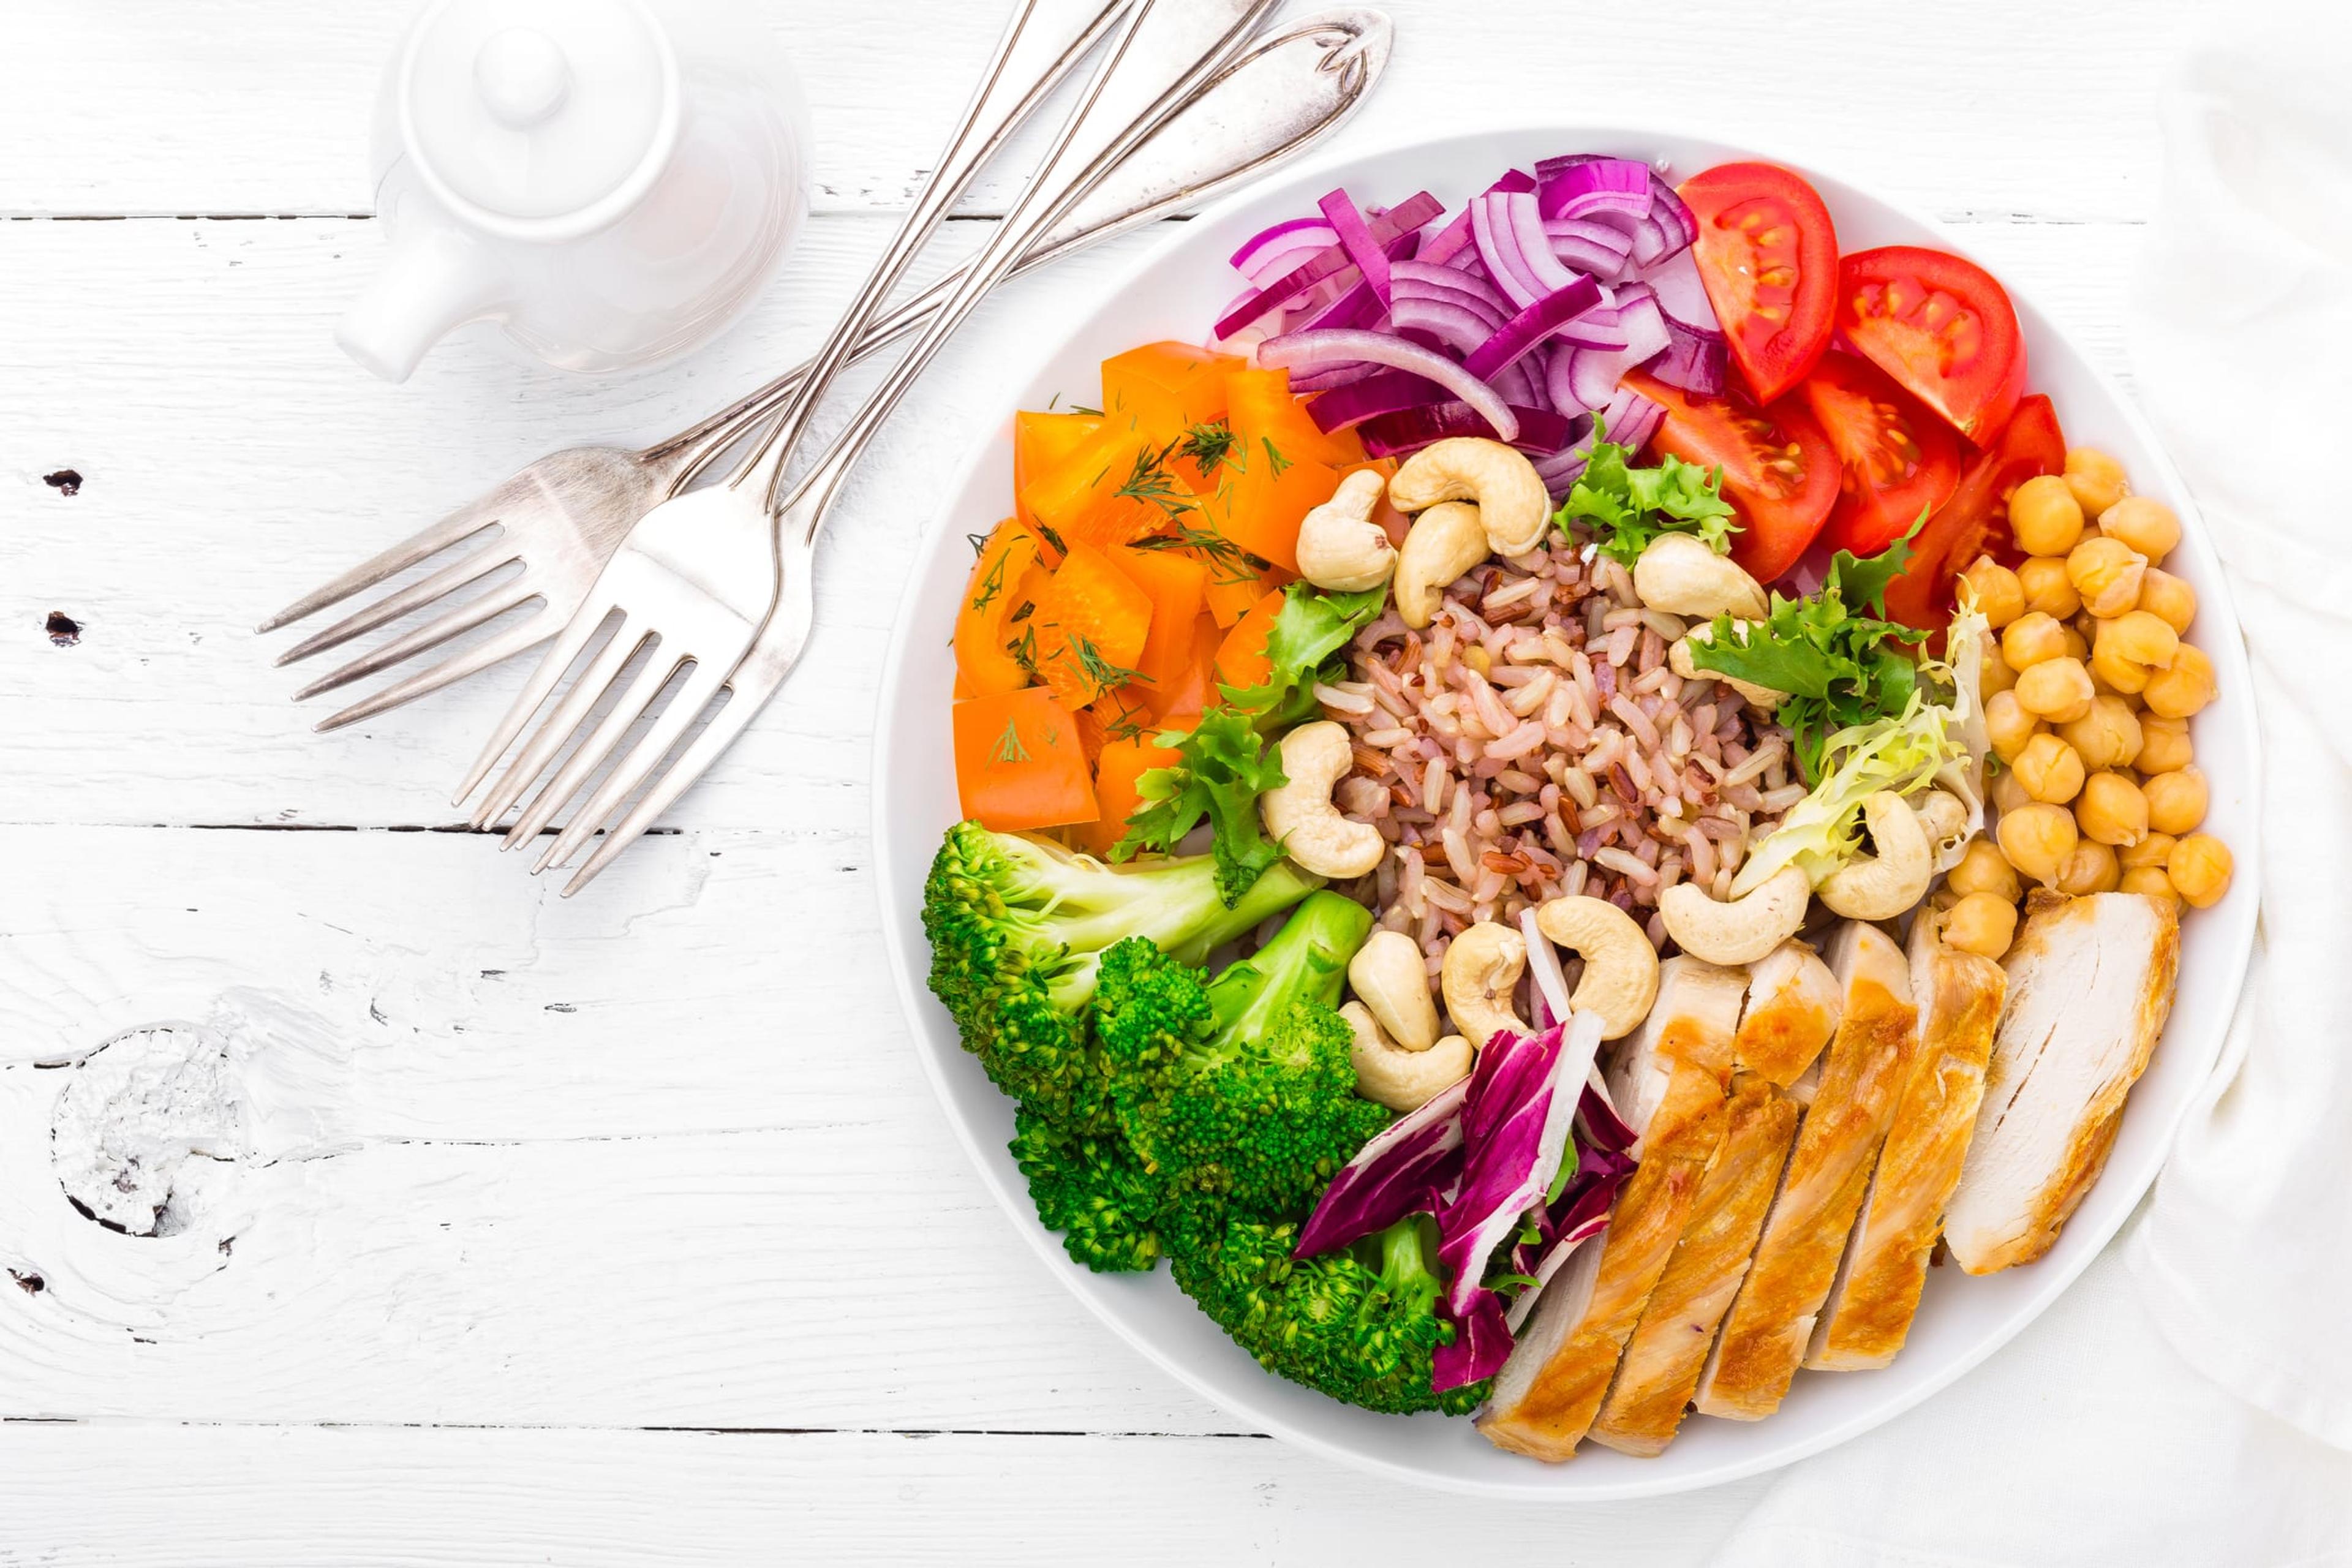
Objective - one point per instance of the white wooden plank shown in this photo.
(2028, 107)
(232, 461)
(145, 1497)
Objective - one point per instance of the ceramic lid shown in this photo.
(538, 118)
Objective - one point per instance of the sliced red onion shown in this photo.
(1597, 185)
(1385, 392)
(1586, 378)
(1457, 326)
(1313, 351)
(1407, 216)
(1490, 222)
(1356, 237)
(1408, 430)
(1300, 233)
(1587, 247)
(1418, 276)
(1531, 326)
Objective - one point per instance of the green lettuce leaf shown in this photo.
(1627, 506)
(1226, 765)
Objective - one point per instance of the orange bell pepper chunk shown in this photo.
(1167, 386)
(1391, 521)
(1178, 584)
(1008, 574)
(1122, 763)
(1041, 443)
(1091, 624)
(1018, 762)
(1234, 586)
(1181, 698)
(1241, 659)
(1259, 507)
(1260, 409)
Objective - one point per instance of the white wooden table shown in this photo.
(624, 1228)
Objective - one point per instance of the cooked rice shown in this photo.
(1532, 743)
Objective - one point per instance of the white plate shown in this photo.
(1175, 292)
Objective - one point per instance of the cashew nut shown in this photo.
(1339, 546)
(1679, 575)
(1512, 500)
(1400, 1079)
(1481, 968)
(1680, 660)
(1300, 814)
(1621, 967)
(1880, 887)
(1741, 930)
(1943, 817)
(1388, 976)
(1443, 544)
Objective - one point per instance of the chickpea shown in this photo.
(2153, 880)
(1981, 923)
(2180, 689)
(2096, 479)
(2044, 517)
(2076, 647)
(2132, 648)
(2109, 736)
(2031, 638)
(2091, 868)
(2008, 725)
(2177, 801)
(2006, 793)
(2047, 586)
(2167, 598)
(1994, 674)
(2107, 574)
(2058, 690)
(2152, 851)
(2037, 837)
(2112, 810)
(2164, 744)
(2199, 867)
(2144, 523)
(1982, 871)
(2050, 769)
(1998, 594)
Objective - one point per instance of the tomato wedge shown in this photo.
(1940, 326)
(1899, 460)
(1974, 521)
(1767, 253)
(1779, 467)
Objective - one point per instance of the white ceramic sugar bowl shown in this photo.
(611, 181)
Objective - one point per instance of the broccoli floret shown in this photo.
(1359, 1324)
(1018, 926)
(1092, 1190)
(1239, 1091)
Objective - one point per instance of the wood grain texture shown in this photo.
(484, 1159)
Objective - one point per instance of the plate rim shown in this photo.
(2217, 607)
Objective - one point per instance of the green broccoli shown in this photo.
(1093, 1191)
(1018, 926)
(1359, 1324)
(1240, 1089)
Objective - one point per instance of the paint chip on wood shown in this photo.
(63, 629)
(65, 481)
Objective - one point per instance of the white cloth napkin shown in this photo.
(2196, 1409)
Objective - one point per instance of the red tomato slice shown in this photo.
(1974, 521)
(1940, 326)
(1899, 460)
(1779, 467)
(1767, 253)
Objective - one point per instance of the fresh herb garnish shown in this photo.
(990, 584)
(1841, 662)
(1628, 506)
(1008, 747)
(1233, 563)
(1274, 456)
(1100, 672)
(1151, 483)
(1207, 446)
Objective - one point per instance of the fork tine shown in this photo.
(584, 623)
(570, 718)
(449, 671)
(592, 752)
(706, 682)
(691, 765)
(473, 613)
(391, 606)
(465, 521)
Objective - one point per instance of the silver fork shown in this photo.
(562, 517)
(764, 635)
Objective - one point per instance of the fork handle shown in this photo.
(987, 120)
(1044, 202)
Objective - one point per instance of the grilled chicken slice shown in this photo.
(1792, 1011)
(1863, 1075)
(1667, 1352)
(1667, 1080)
(2090, 984)
(1869, 1311)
